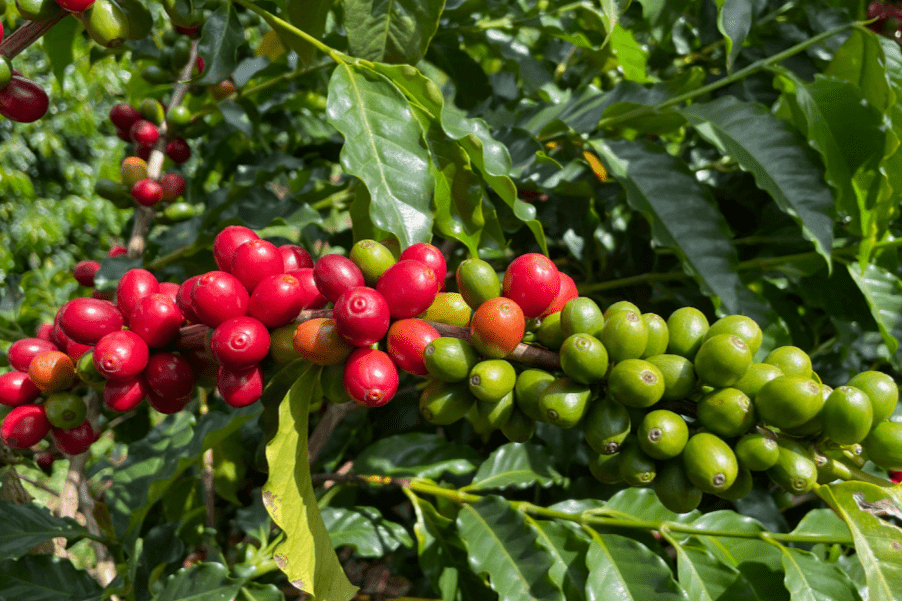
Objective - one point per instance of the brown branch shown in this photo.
(27, 34)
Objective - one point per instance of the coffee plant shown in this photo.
(450, 299)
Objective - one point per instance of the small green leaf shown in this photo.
(220, 38)
(705, 578)
(643, 504)
(254, 591)
(883, 292)
(46, 578)
(860, 60)
(391, 31)
(200, 582)
(734, 20)
(823, 522)
(310, 17)
(416, 455)
(364, 529)
(24, 526)
(631, 56)
(621, 569)
(517, 465)
(568, 552)
(306, 556)
(58, 46)
(810, 579)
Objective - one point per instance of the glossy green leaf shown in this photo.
(310, 17)
(810, 579)
(306, 556)
(221, 35)
(662, 15)
(621, 569)
(502, 547)
(883, 292)
(765, 146)
(706, 578)
(568, 553)
(24, 526)
(59, 46)
(254, 591)
(384, 148)
(643, 504)
(46, 578)
(200, 582)
(632, 58)
(364, 529)
(877, 541)
(860, 60)
(682, 215)
(734, 20)
(516, 465)
(391, 31)
(416, 455)
(823, 522)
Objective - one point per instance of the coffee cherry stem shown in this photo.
(27, 34)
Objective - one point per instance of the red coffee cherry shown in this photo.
(295, 257)
(255, 260)
(370, 377)
(144, 133)
(125, 395)
(157, 319)
(240, 387)
(45, 460)
(117, 251)
(173, 185)
(24, 427)
(23, 100)
(170, 375)
(407, 339)
(75, 6)
(313, 299)
(147, 192)
(178, 150)
(361, 316)
(21, 352)
(431, 256)
(170, 289)
(43, 331)
(75, 441)
(497, 327)
(334, 274)
(167, 405)
(227, 242)
(134, 285)
(17, 389)
(183, 299)
(409, 287)
(120, 355)
(240, 342)
(87, 320)
(566, 293)
(76, 349)
(57, 336)
(317, 341)
(531, 281)
(84, 272)
(124, 115)
(276, 300)
(217, 296)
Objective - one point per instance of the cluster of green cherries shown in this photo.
(676, 404)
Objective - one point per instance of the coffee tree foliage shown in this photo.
(737, 157)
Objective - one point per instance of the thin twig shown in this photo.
(27, 34)
(330, 420)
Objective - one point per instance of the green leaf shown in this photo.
(643, 504)
(734, 20)
(306, 556)
(883, 292)
(200, 582)
(568, 552)
(391, 31)
(364, 529)
(503, 547)
(877, 541)
(764, 146)
(517, 465)
(631, 56)
(309, 16)
(621, 569)
(46, 578)
(416, 455)
(860, 60)
(220, 38)
(706, 578)
(254, 591)
(810, 579)
(823, 522)
(384, 148)
(24, 526)
(58, 46)
(683, 217)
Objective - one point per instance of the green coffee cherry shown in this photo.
(65, 410)
(757, 375)
(791, 360)
(884, 445)
(497, 413)
(674, 489)
(722, 360)
(519, 428)
(795, 470)
(443, 403)
(584, 358)
(636, 468)
(727, 412)
(635, 382)
(621, 306)
(662, 434)
(757, 452)
(847, 415)
(679, 376)
(710, 463)
(491, 380)
(742, 486)
(789, 401)
(373, 259)
(449, 359)
(477, 282)
(549, 332)
(531, 383)
(606, 468)
(606, 426)
(881, 390)
(738, 325)
(564, 402)
(658, 335)
(582, 315)
(625, 336)
(687, 328)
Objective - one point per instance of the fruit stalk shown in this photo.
(26, 34)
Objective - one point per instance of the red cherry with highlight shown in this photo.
(157, 319)
(87, 320)
(409, 287)
(84, 272)
(16, 389)
(134, 285)
(124, 115)
(125, 395)
(167, 405)
(361, 316)
(144, 133)
(23, 100)
(407, 339)
(227, 242)
(254, 260)
(241, 387)
(566, 293)
(170, 375)
(532, 281)
(147, 192)
(276, 300)
(120, 355)
(21, 352)
(183, 299)
(240, 342)
(334, 274)
(170, 289)
(217, 296)
(313, 299)
(24, 426)
(76, 440)
(431, 256)
(178, 150)
(370, 377)
(295, 257)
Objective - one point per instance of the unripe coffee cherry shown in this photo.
(227, 242)
(313, 299)
(317, 341)
(334, 274)
(144, 133)
(87, 320)
(370, 377)
(121, 355)
(295, 257)
(532, 281)
(24, 427)
(361, 316)
(125, 395)
(240, 342)
(178, 150)
(409, 287)
(217, 296)
(132, 287)
(124, 115)
(431, 256)
(156, 319)
(21, 352)
(17, 389)
(241, 387)
(147, 192)
(276, 300)
(254, 260)
(75, 441)
(170, 375)
(84, 272)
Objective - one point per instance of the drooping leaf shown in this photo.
(501, 546)
(883, 292)
(24, 526)
(306, 556)
(810, 579)
(823, 522)
(683, 217)
(764, 146)
(416, 455)
(310, 17)
(59, 46)
(516, 465)
(46, 578)
(384, 148)
(200, 582)
(391, 31)
(706, 578)
(877, 541)
(860, 61)
(364, 529)
(568, 552)
(734, 20)
(221, 35)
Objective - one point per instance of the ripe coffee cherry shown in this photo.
(407, 339)
(276, 300)
(533, 282)
(125, 395)
(431, 256)
(334, 274)
(84, 272)
(24, 427)
(241, 387)
(497, 327)
(132, 287)
(217, 296)
(170, 289)
(167, 405)
(87, 320)
(409, 287)
(255, 260)
(75, 6)
(173, 185)
(295, 257)
(227, 242)
(313, 299)
(156, 319)
(117, 251)
(170, 375)
(21, 352)
(23, 100)
(43, 331)
(144, 133)
(240, 342)
(75, 349)
(75, 441)
(121, 355)
(317, 341)
(124, 115)
(566, 293)
(178, 150)
(17, 389)
(147, 192)
(183, 299)
(361, 316)
(370, 377)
